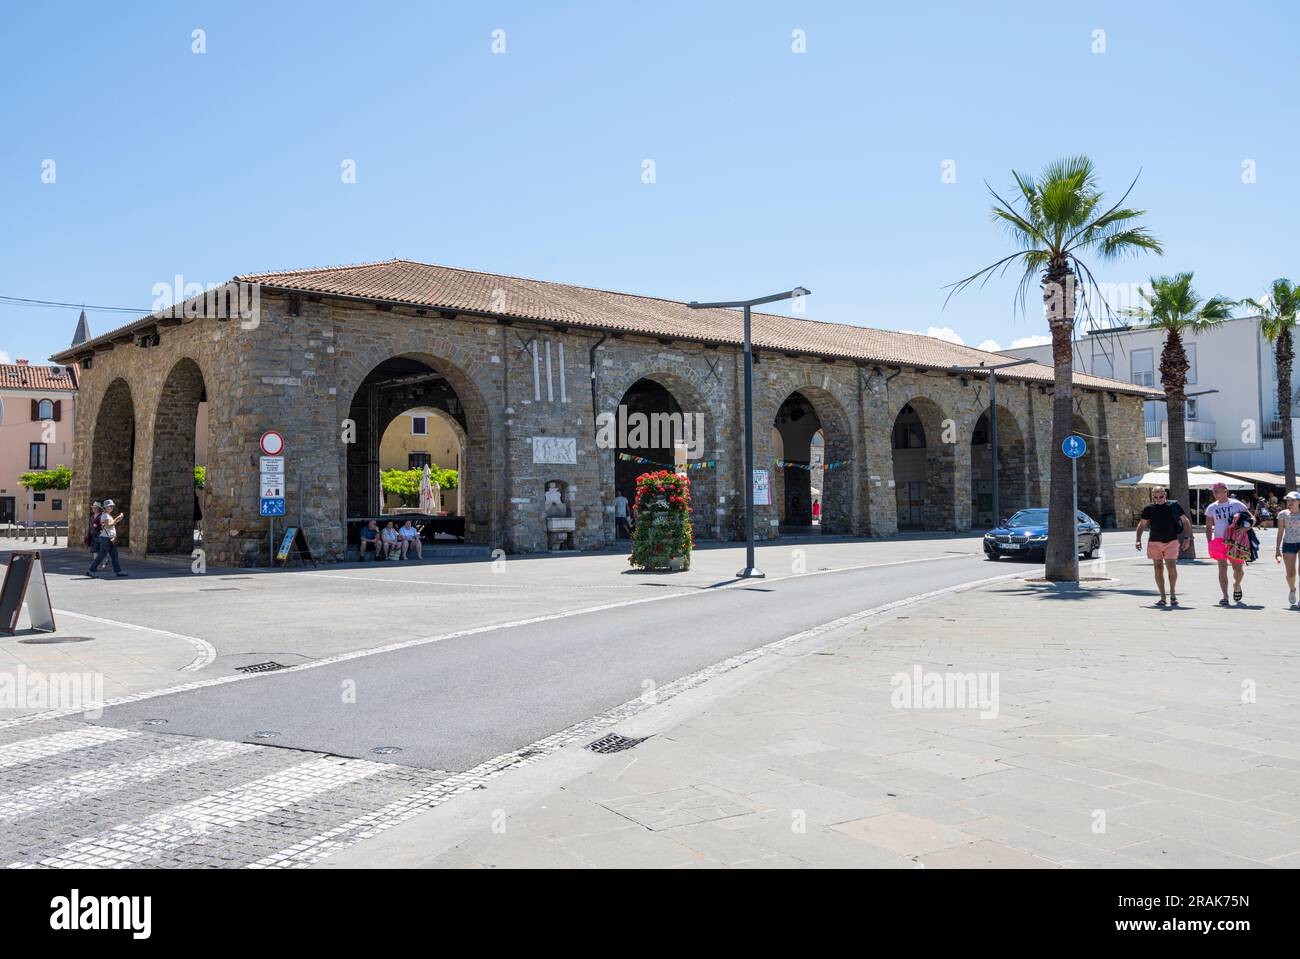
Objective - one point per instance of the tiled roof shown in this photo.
(441, 287)
(18, 376)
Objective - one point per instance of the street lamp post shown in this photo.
(993, 422)
(751, 571)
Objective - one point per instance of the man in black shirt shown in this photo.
(1167, 519)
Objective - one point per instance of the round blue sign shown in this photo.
(1074, 447)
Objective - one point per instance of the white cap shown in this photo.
(109, 504)
(1294, 494)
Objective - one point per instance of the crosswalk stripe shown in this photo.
(42, 747)
(118, 776)
(132, 844)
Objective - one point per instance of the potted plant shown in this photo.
(662, 537)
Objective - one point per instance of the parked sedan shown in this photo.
(1025, 534)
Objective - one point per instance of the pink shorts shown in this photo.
(1158, 551)
(1218, 549)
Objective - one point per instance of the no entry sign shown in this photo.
(272, 443)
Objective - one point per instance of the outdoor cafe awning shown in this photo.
(1268, 479)
(1198, 477)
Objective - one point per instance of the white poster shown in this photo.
(762, 488)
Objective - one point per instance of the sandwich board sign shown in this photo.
(294, 540)
(25, 580)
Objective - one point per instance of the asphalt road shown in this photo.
(453, 703)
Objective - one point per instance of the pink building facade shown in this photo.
(37, 414)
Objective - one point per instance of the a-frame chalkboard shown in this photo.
(25, 579)
(294, 540)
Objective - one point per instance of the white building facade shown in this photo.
(1234, 428)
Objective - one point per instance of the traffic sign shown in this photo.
(272, 443)
(272, 505)
(272, 464)
(1074, 446)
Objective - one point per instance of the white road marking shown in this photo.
(205, 653)
(134, 843)
(118, 776)
(43, 747)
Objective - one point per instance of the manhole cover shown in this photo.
(259, 667)
(386, 750)
(614, 743)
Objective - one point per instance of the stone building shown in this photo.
(329, 357)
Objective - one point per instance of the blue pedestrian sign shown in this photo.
(1074, 447)
(272, 505)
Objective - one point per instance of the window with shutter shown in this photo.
(58, 411)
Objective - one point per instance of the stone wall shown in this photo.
(297, 369)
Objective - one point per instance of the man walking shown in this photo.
(1218, 517)
(621, 527)
(1167, 519)
(107, 540)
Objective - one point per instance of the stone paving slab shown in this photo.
(1124, 737)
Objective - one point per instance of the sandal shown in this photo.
(1173, 601)
(1224, 602)
(1160, 603)
(1236, 596)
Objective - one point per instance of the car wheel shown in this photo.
(991, 556)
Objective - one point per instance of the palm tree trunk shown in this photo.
(1173, 377)
(1285, 356)
(1058, 301)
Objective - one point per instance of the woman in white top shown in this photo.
(1288, 541)
(411, 540)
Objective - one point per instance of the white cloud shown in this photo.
(1037, 339)
(5, 357)
(989, 345)
(940, 333)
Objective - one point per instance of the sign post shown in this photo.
(1074, 447)
(271, 485)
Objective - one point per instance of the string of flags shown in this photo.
(702, 464)
(838, 464)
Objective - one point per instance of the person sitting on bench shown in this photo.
(411, 540)
(369, 540)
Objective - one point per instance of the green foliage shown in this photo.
(1057, 218)
(663, 521)
(1277, 311)
(200, 476)
(40, 480)
(1172, 304)
(406, 483)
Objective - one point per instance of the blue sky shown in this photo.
(772, 168)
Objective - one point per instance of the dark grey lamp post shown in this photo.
(750, 571)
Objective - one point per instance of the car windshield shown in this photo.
(1029, 517)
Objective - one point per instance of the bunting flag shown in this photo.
(838, 464)
(702, 464)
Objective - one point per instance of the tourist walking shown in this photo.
(1221, 515)
(621, 526)
(92, 533)
(1288, 542)
(107, 540)
(1167, 520)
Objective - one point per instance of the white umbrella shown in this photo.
(428, 502)
(1198, 477)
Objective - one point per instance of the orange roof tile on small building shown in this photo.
(24, 376)
(425, 285)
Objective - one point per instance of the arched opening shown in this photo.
(174, 508)
(1094, 500)
(796, 424)
(924, 468)
(112, 453)
(396, 398)
(1012, 463)
(419, 437)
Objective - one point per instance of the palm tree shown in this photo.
(1277, 315)
(1057, 219)
(1173, 305)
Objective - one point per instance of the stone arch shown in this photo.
(466, 378)
(172, 512)
(112, 453)
(1096, 489)
(838, 485)
(925, 466)
(691, 397)
(1013, 466)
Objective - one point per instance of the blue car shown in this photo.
(1025, 534)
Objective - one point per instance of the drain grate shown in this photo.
(614, 743)
(259, 667)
